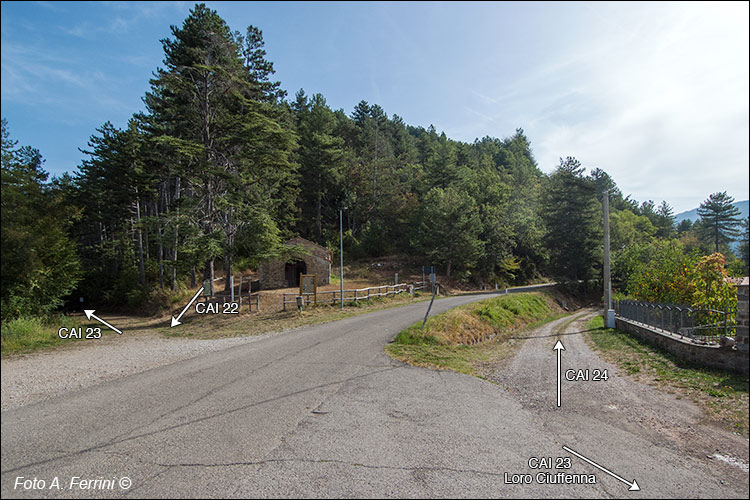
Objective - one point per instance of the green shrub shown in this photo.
(414, 336)
(28, 333)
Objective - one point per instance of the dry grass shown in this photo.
(221, 325)
(483, 320)
(460, 326)
(474, 338)
(479, 360)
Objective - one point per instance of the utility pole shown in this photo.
(341, 255)
(610, 313)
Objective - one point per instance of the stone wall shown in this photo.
(724, 358)
(743, 323)
(273, 273)
(320, 267)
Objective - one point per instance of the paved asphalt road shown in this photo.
(324, 412)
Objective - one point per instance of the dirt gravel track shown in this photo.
(618, 405)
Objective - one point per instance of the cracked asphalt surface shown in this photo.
(323, 412)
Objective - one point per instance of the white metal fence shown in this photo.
(702, 325)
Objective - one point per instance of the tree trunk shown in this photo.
(173, 277)
(448, 270)
(160, 252)
(228, 264)
(116, 263)
(374, 173)
(173, 283)
(146, 246)
(209, 274)
(229, 231)
(716, 235)
(159, 246)
(318, 217)
(141, 266)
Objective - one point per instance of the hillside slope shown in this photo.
(743, 206)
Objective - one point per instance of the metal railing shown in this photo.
(701, 325)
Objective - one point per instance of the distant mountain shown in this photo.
(744, 207)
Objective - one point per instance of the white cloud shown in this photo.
(124, 18)
(37, 77)
(655, 95)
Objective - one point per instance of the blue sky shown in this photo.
(656, 94)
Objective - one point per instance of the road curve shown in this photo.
(317, 412)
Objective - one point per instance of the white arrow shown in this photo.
(558, 347)
(90, 314)
(633, 485)
(176, 321)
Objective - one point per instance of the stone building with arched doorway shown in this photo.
(279, 274)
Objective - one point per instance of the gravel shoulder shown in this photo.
(38, 376)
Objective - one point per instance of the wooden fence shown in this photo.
(324, 297)
(252, 299)
(334, 296)
(421, 285)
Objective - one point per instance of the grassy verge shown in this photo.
(24, 335)
(723, 395)
(472, 338)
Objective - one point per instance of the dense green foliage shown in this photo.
(574, 222)
(29, 333)
(223, 168)
(666, 272)
(40, 264)
(658, 271)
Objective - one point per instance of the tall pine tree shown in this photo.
(720, 219)
(215, 108)
(574, 223)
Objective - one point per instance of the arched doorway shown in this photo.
(292, 272)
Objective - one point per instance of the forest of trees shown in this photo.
(222, 167)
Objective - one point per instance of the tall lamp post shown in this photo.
(607, 280)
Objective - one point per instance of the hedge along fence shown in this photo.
(334, 296)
